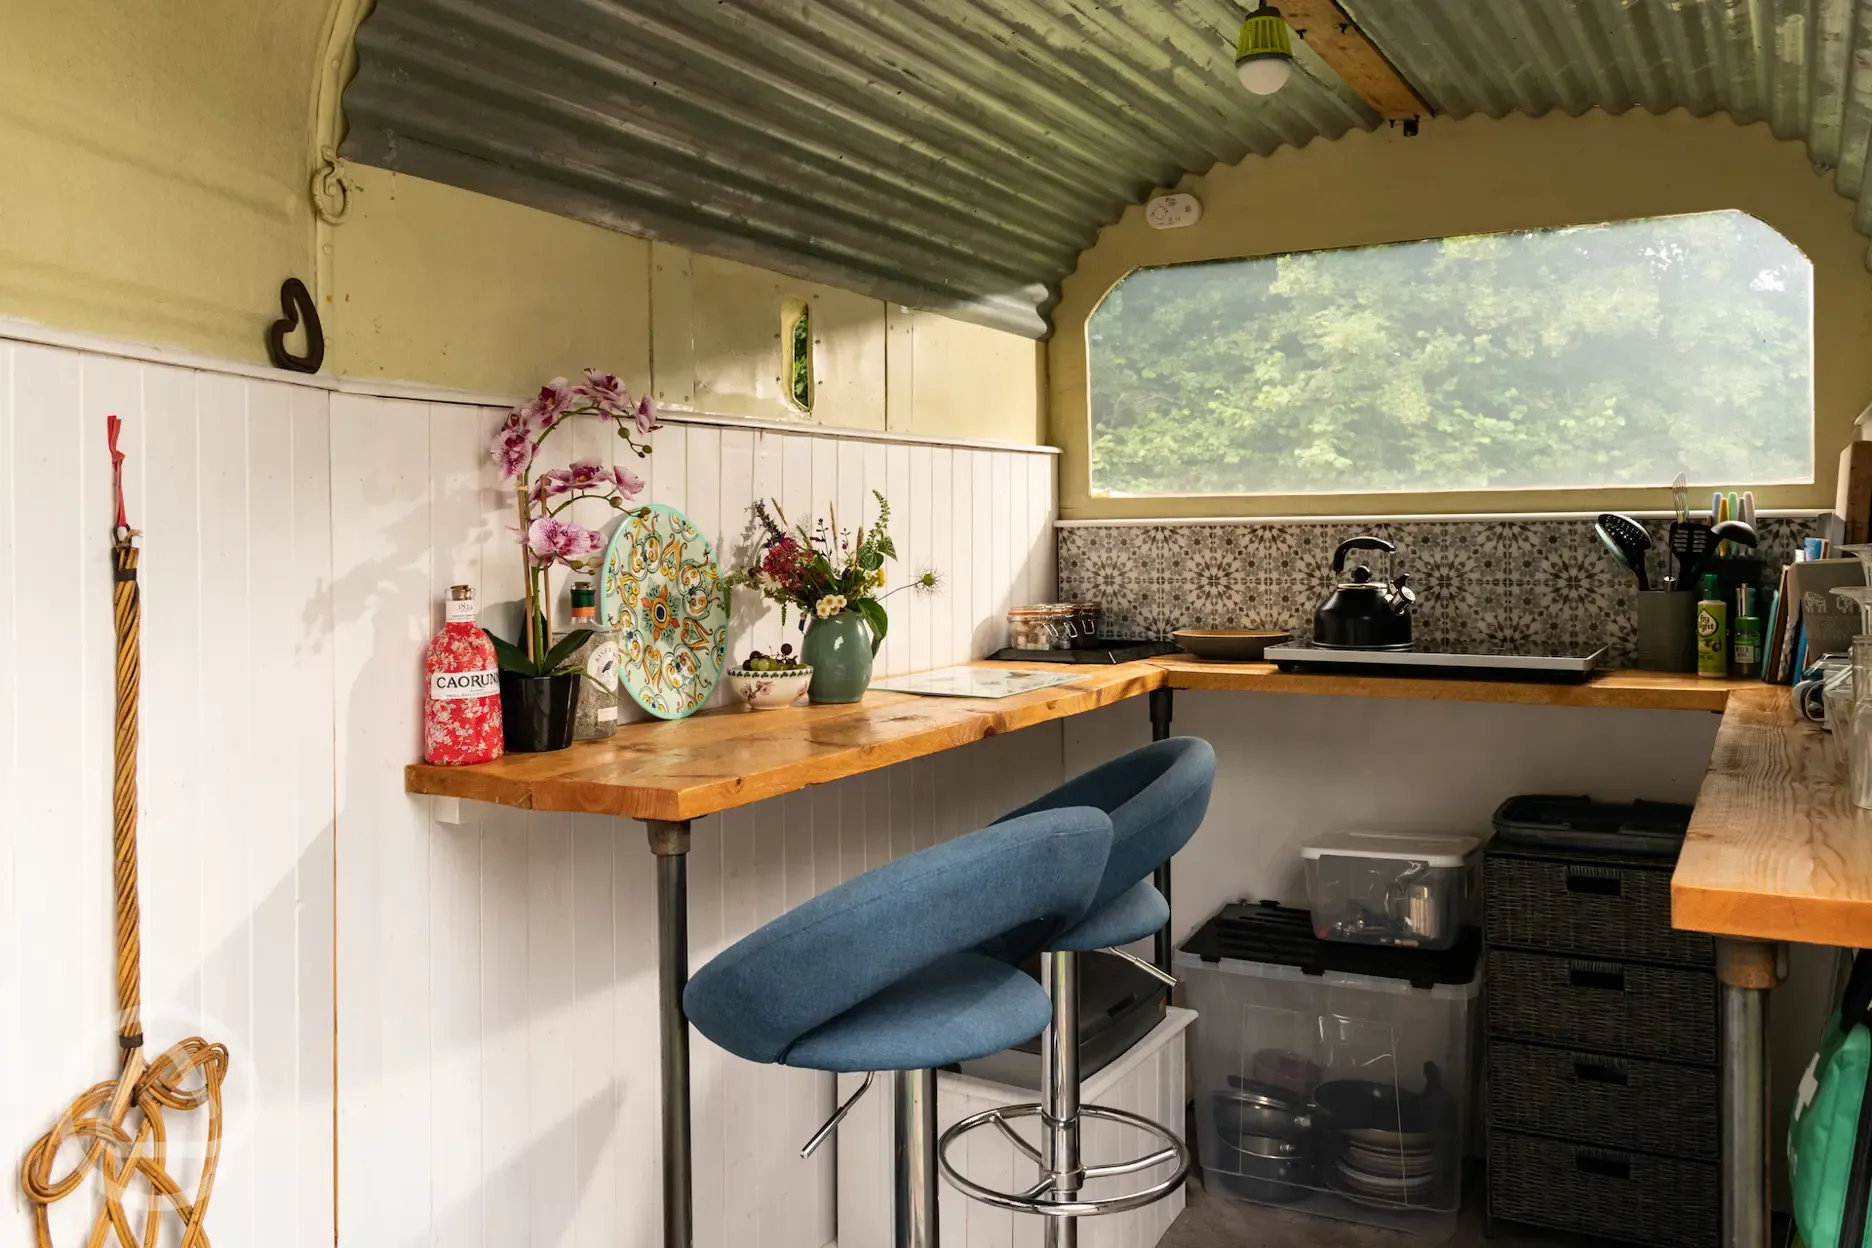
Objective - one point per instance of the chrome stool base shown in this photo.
(1042, 1198)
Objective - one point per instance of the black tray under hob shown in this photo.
(1474, 662)
(1118, 1006)
(1107, 653)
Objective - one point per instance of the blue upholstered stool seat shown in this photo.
(1156, 796)
(880, 973)
(960, 1007)
(1133, 915)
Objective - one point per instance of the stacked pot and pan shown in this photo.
(1291, 1133)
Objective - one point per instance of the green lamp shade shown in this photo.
(1264, 53)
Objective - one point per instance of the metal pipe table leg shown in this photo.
(1747, 969)
(670, 843)
(1059, 1089)
(1161, 706)
(913, 1172)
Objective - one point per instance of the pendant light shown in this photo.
(1264, 54)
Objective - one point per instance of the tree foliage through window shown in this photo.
(799, 359)
(1605, 355)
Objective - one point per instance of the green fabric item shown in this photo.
(1820, 1138)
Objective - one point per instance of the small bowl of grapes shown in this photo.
(767, 682)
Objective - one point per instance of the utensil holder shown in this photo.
(1666, 630)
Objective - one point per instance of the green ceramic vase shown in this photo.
(840, 650)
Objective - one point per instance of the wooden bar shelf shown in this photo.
(725, 758)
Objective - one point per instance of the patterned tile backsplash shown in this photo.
(1539, 583)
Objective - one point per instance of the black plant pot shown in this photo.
(537, 711)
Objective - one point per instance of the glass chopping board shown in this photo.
(974, 682)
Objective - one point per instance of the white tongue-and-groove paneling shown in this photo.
(485, 1039)
(228, 479)
(502, 1084)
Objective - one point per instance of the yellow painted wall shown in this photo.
(1481, 176)
(153, 165)
(434, 284)
(440, 285)
(156, 159)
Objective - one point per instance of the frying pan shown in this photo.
(1247, 1108)
(1377, 1114)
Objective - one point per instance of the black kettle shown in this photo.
(1360, 614)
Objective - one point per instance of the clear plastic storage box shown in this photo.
(1331, 1078)
(1411, 889)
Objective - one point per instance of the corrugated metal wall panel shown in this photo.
(959, 154)
(950, 154)
(1802, 66)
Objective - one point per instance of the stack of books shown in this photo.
(1805, 620)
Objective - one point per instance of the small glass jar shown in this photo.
(1046, 626)
(1085, 619)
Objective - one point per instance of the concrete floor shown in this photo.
(1209, 1222)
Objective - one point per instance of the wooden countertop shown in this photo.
(726, 758)
(1776, 849)
(1632, 690)
(720, 759)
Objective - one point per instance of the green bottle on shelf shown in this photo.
(1712, 629)
(1748, 634)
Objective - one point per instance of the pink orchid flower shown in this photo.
(552, 539)
(587, 473)
(552, 402)
(606, 391)
(647, 422)
(551, 483)
(628, 483)
(512, 452)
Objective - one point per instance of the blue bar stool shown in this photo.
(884, 973)
(1156, 797)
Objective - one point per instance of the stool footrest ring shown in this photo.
(1038, 1198)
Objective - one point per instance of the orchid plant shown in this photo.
(548, 534)
(824, 570)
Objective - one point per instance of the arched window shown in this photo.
(1586, 357)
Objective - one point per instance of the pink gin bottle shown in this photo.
(461, 705)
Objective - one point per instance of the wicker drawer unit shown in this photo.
(1616, 1101)
(1607, 1193)
(1626, 1008)
(1602, 1100)
(1605, 908)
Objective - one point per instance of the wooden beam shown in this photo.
(1338, 41)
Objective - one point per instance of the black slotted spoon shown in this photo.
(1691, 545)
(1629, 543)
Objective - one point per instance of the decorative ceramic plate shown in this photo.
(661, 588)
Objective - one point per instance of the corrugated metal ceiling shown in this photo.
(1803, 66)
(947, 154)
(959, 154)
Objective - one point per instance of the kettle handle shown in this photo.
(1359, 543)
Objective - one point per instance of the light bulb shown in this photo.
(1264, 75)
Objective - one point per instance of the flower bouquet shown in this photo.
(835, 579)
(548, 533)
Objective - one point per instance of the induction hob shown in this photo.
(1562, 664)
